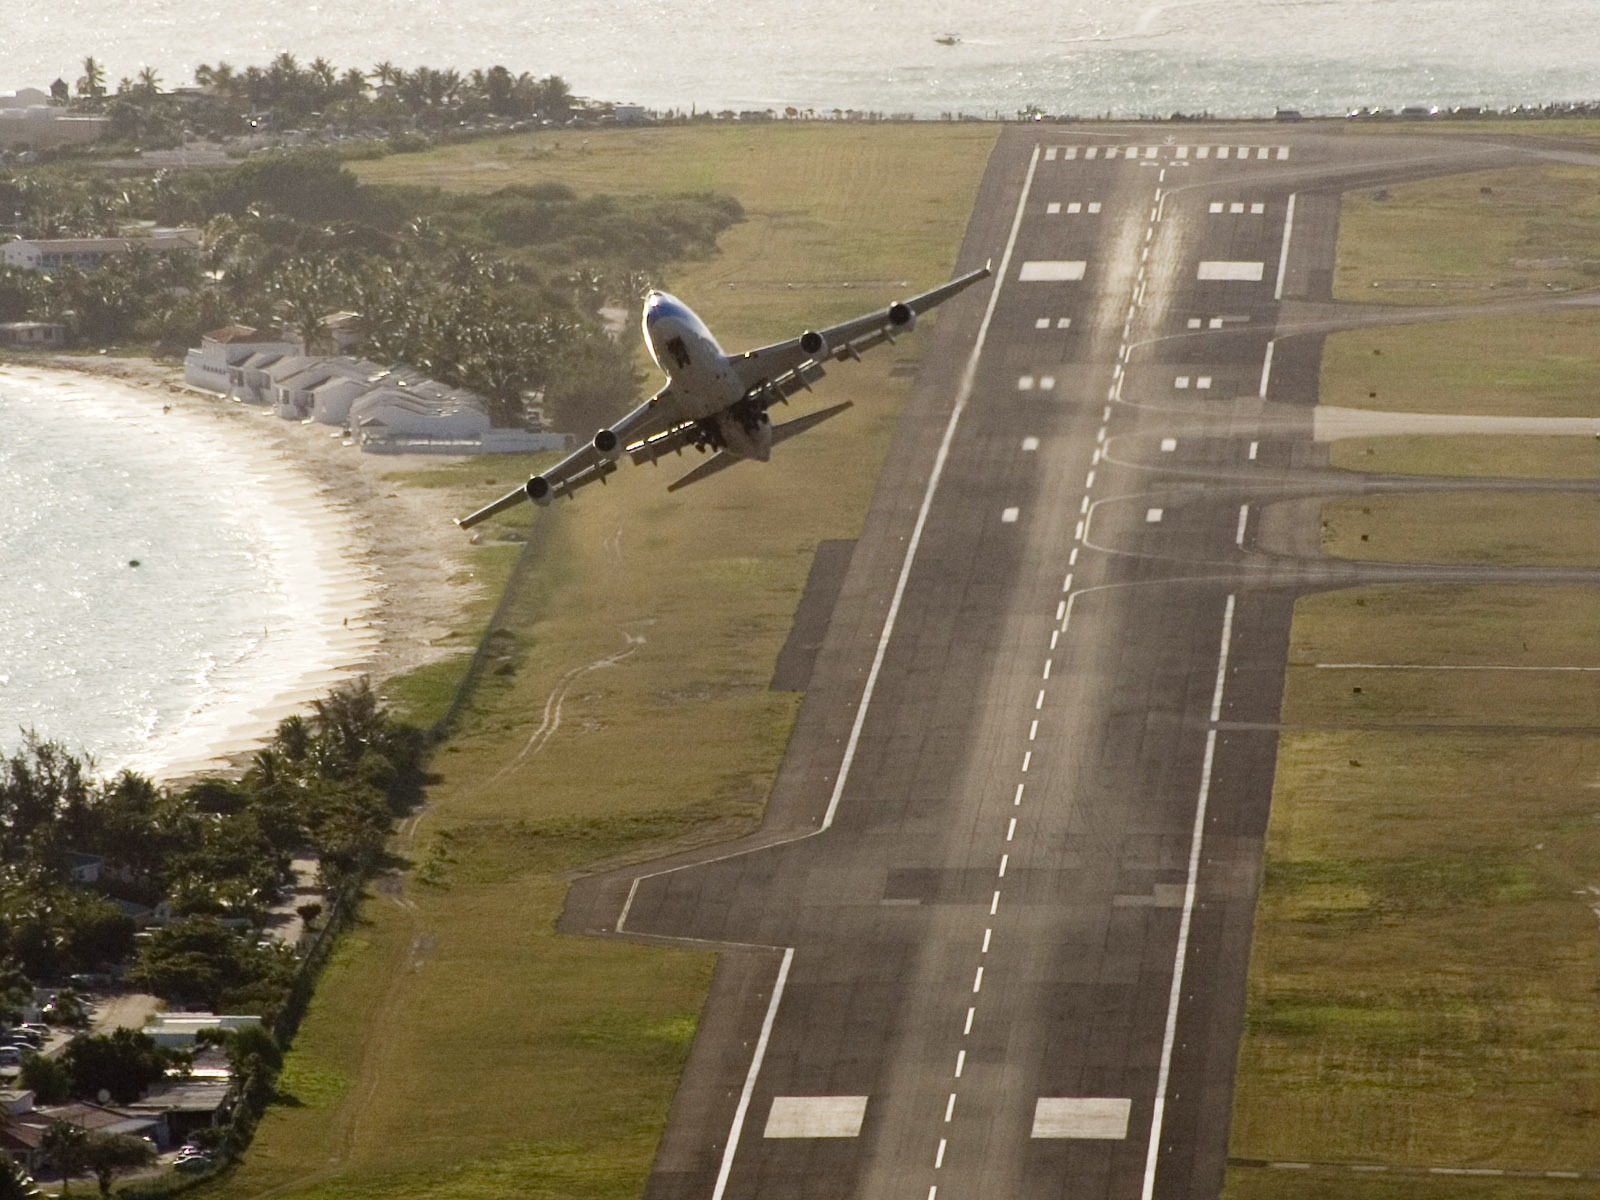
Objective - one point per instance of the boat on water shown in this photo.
(948, 39)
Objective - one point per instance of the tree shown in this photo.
(123, 1063)
(16, 1183)
(110, 1154)
(65, 1145)
(92, 83)
(45, 1077)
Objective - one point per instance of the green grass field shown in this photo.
(1509, 457)
(458, 1047)
(1423, 976)
(1469, 238)
(1540, 365)
(1514, 529)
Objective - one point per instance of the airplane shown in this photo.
(718, 401)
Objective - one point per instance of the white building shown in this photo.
(52, 254)
(218, 365)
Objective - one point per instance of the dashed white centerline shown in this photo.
(987, 935)
(1244, 518)
(971, 1012)
(961, 1062)
(1011, 830)
(977, 984)
(1004, 860)
(950, 1108)
(938, 1159)
(994, 905)
(1027, 759)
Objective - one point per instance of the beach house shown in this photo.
(53, 254)
(218, 364)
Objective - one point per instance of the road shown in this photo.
(992, 938)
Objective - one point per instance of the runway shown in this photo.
(992, 938)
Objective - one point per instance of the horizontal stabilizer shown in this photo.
(780, 433)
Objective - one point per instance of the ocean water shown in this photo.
(156, 598)
(1086, 57)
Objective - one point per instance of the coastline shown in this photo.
(375, 573)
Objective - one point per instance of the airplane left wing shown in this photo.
(592, 461)
(848, 339)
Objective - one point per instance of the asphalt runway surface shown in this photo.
(992, 938)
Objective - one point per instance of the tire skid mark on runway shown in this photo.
(1063, 617)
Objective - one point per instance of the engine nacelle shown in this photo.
(538, 489)
(814, 344)
(901, 317)
(608, 445)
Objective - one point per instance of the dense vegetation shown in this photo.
(201, 864)
(284, 95)
(497, 293)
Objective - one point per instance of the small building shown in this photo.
(178, 1031)
(33, 335)
(224, 350)
(86, 254)
(84, 868)
(183, 1107)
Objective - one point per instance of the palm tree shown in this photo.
(64, 1145)
(92, 83)
(149, 82)
(386, 73)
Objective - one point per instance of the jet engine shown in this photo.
(814, 344)
(538, 489)
(901, 317)
(608, 445)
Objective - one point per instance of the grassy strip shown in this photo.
(1463, 239)
(1523, 529)
(1507, 457)
(458, 1047)
(1541, 365)
(1422, 978)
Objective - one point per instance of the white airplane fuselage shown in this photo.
(702, 382)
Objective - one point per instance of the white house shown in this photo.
(224, 350)
(294, 396)
(412, 414)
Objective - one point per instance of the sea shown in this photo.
(141, 590)
(1233, 58)
(158, 595)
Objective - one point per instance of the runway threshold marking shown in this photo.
(816, 1117)
(1196, 839)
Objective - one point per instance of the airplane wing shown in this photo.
(847, 339)
(588, 463)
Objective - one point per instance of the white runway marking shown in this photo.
(1196, 840)
(1283, 255)
(1255, 448)
(1239, 272)
(1153, 516)
(816, 1117)
(1103, 1119)
(1244, 519)
(1042, 323)
(1266, 369)
(1053, 207)
(1063, 322)
(1168, 445)
(1010, 515)
(1052, 270)
(1026, 383)
(1029, 444)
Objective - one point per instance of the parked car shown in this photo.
(197, 1161)
(10, 1056)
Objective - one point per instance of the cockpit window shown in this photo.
(678, 351)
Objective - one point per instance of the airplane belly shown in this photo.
(744, 439)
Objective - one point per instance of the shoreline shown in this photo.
(374, 574)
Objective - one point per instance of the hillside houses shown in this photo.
(384, 409)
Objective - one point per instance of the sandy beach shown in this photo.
(375, 573)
